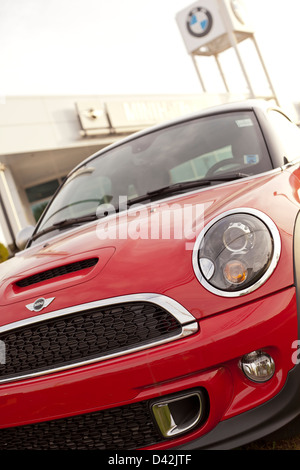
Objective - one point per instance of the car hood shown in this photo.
(135, 259)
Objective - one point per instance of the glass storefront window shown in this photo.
(39, 195)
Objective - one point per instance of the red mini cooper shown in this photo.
(155, 305)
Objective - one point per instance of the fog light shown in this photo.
(258, 366)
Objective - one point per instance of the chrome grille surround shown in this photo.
(186, 321)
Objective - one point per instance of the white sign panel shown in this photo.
(238, 16)
(92, 115)
(200, 23)
(207, 20)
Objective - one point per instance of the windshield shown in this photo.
(204, 148)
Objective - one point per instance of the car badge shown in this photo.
(39, 304)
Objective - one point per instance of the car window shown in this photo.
(199, 166)
(288, 133)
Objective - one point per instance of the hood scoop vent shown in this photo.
(56, 272)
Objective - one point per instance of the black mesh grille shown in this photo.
(56, 272)
(84, 336)
(124, 428)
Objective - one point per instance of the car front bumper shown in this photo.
(235, 410)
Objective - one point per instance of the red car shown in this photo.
(155, 305)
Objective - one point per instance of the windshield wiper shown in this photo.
(185, 185)
(64, 224)
(172, 188)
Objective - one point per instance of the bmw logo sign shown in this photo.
(199, 22)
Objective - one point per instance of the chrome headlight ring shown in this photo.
(236, 252)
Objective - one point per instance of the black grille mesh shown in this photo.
(124, 428)
(84, 336)
(56, 272)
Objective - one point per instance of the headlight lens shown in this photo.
(236, 252)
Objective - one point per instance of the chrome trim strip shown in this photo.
(166, 422)
(187, 321)
(173, 307)
(276, 255)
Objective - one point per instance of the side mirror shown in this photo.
(23, 237)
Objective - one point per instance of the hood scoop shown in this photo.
(56, 272)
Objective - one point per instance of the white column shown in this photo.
(12, 214)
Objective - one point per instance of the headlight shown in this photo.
(236, 252)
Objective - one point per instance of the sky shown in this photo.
(117, 47)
